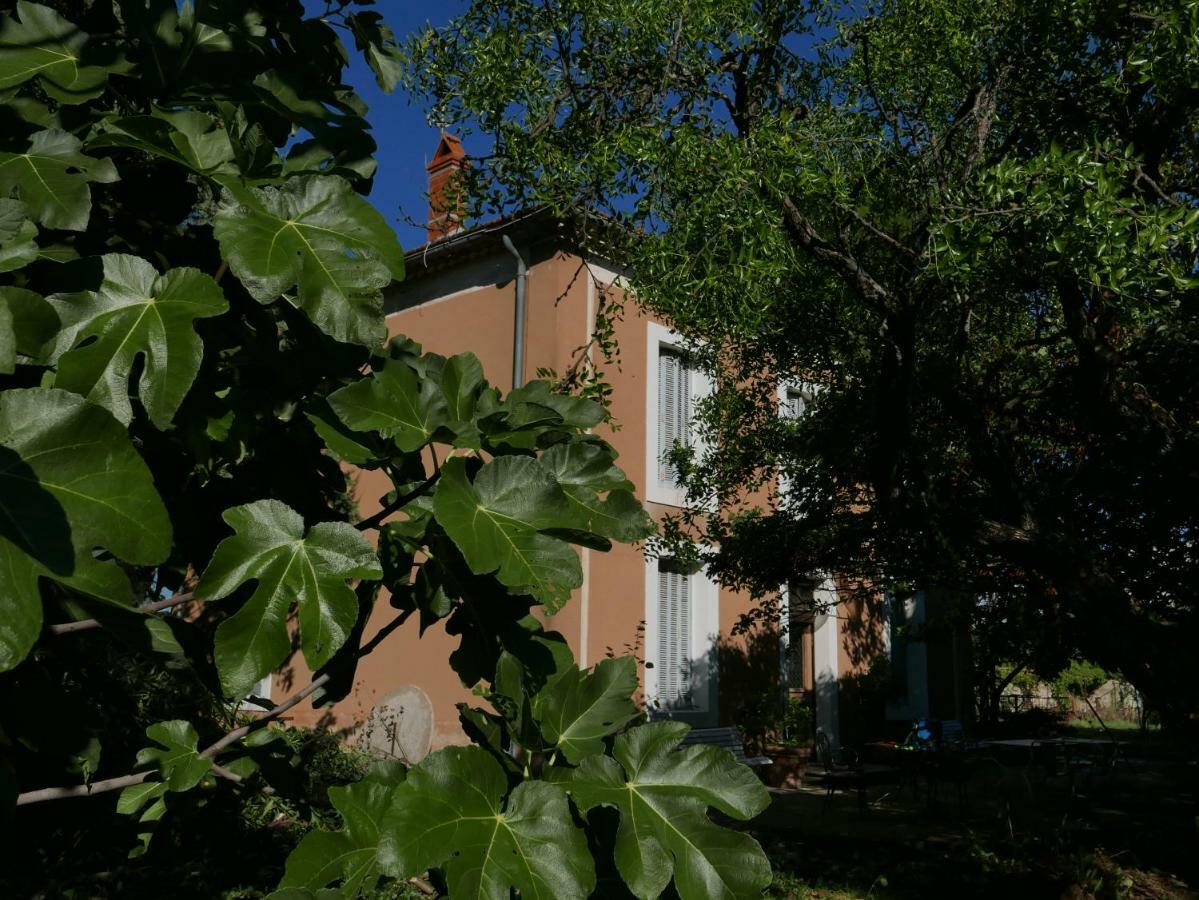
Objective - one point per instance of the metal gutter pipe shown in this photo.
(518, 338)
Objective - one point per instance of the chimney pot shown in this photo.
(445, 201)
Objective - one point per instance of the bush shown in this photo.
(797, 724)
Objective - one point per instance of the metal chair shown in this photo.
(848, 773)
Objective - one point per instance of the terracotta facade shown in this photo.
(460, 296)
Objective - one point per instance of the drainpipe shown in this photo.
(518, 338)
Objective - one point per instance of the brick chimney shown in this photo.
(445, 208)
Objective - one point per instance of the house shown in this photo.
(523, 297)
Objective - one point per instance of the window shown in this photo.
(261, 689)
(682, 626)
(673, 388)
(796, 610)
(674, 409)
(898, 625)
(674, 636)
(793, 403)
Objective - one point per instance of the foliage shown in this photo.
(798, 729)
(1080, 679)
(192, 359)
(969, 232)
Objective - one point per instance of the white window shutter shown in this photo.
(674, 409)
(674, 637)
(793, 406)
(684, 638)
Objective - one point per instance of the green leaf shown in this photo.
(295, 893)
(45, 45)
(348, 855)
(188, 137)
(575, 411)
(177, 757)
(355, 448)
(577, 709)
(136, 313)
(451, 813)
(70, 481)
(378, 44)
(587, 463)
(132, 799)
(663, 795)
(395, 402)
(269, 546)
(18, 236)
(34, 323)
(136, 796)
(52, 177)
(619, 516)
(586, 467)
(8, 342)
(313, 234)
(495, 522)
(461, 381)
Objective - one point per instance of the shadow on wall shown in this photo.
(752, 692)
(754, 695)
(865, 615)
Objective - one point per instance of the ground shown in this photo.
(1018, 834)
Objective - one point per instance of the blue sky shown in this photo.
(405, 141)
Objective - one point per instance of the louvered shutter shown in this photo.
(674, 632)
(674, 409)
(793, 406)
(797, 624)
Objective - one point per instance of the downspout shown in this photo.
(518, 337)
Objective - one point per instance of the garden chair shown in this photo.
(844, 772)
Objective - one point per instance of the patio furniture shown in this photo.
(727, 738)
(952, 733)
(844, 772)
(1070, 757)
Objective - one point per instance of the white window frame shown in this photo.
(806, 392)
(704, 594)
(659, 338)
(789, 595)
(261, 689)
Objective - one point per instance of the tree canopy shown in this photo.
(966, 234)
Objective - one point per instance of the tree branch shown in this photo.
(148, 609)
(806, 236)
(262, 721)
(212, 750)
(82, 790)
(399, 503)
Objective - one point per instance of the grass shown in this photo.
(1129, 835)
(1090, 724)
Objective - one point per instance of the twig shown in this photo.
(148, 609)
(238, 733)
(265, 789)
(82, 790)
(400, 502)
(220, 271)
(115, 784)
(423, 886)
